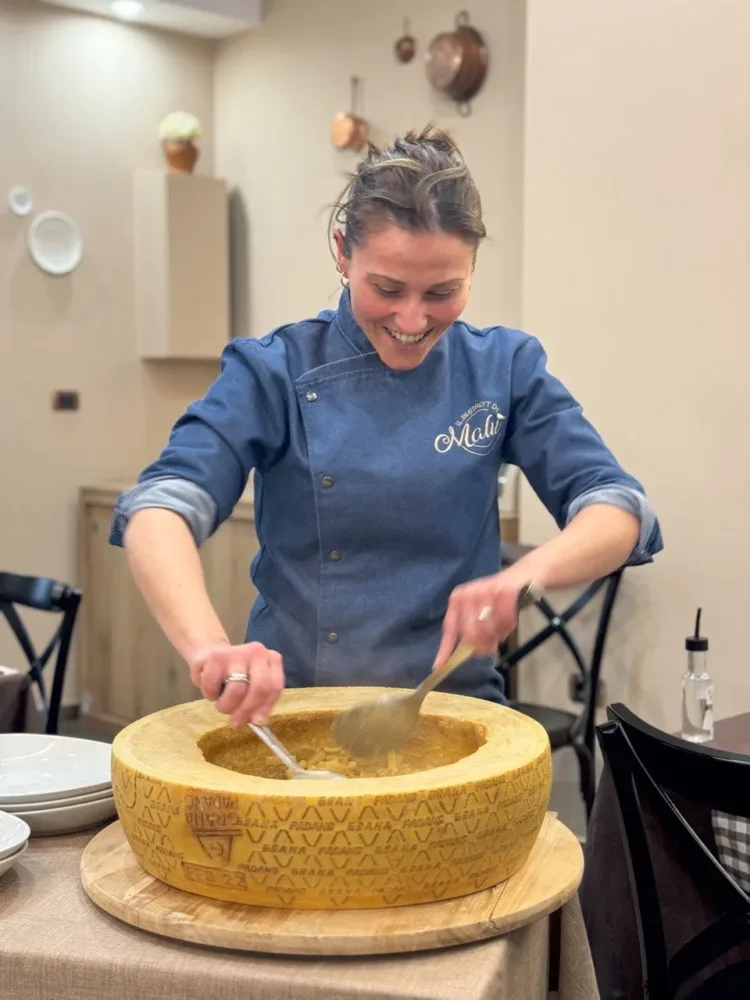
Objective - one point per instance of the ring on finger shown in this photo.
(485, 613)
(240, 678)
(236, 677)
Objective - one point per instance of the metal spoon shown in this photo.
(276, 747)
(382, 724)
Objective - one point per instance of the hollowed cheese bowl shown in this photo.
(464, 819)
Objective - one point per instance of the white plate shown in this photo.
(55, 243)
(7, 863)
(20, 201)
(14, 833)
(74, 800)
(39, 768)
(69, 819)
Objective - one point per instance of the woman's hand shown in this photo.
(482, 613)
(243, 701)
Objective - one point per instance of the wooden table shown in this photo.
(605, 891)
(57, 945)
(733, 734)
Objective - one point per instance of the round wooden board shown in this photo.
(114, 880)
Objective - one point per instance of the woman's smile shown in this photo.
(408, 340)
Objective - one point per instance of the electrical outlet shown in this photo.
(65, 400)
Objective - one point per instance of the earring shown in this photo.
(344, 280)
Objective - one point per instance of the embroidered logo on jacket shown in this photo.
(476, 430)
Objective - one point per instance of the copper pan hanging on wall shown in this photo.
(348, 129)
(457, 62)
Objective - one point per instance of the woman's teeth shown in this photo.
(404, 338)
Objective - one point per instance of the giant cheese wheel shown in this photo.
(465, 819)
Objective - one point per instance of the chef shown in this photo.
(375, 433)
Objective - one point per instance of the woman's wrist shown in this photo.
(531, 570)
(196, 647)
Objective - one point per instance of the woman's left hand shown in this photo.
(482, 613)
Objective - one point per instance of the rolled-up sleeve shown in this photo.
(563, 457)
(240, 425)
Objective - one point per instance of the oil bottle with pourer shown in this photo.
(697, 690)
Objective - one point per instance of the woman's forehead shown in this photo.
(403, 255)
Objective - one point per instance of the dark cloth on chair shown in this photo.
(18, 712)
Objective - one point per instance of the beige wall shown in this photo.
(81, 99)
(277, 89)
(636, 264)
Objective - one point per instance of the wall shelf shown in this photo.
(181, 265)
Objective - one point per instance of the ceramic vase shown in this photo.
(181, 156)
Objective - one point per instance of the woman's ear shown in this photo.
(342, 262)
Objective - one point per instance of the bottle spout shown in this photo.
(697, 643)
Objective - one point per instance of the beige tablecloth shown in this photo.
(55, 944)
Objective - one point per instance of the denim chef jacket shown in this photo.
(376, 491)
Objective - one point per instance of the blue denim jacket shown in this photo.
(376, 490)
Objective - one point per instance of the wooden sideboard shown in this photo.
(126, 666)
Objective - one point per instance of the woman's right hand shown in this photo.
(242, 702)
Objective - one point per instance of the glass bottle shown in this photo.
(697, 690)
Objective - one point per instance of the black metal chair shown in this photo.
(651, 771)
(564, 728)
(42, 594)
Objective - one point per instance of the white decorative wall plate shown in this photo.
(55, 243)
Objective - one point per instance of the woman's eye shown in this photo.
(392, 293)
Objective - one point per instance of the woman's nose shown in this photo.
(411, 319)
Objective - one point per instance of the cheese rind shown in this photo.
(356, 843)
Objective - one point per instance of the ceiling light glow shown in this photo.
(127, 9)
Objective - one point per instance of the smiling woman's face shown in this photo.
(407, 288)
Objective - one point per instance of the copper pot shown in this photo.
(348, 129)
(457, 62)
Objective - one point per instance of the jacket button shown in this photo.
(333, 638)
(311, 396)
(327, 481)
(335, 555)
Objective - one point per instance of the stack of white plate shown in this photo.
(14, 839)
(55, 784)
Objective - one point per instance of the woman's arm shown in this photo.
(167, 570)
(595, 543)
(179, 502)
(602, 511)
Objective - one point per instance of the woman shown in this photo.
(375, 433)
